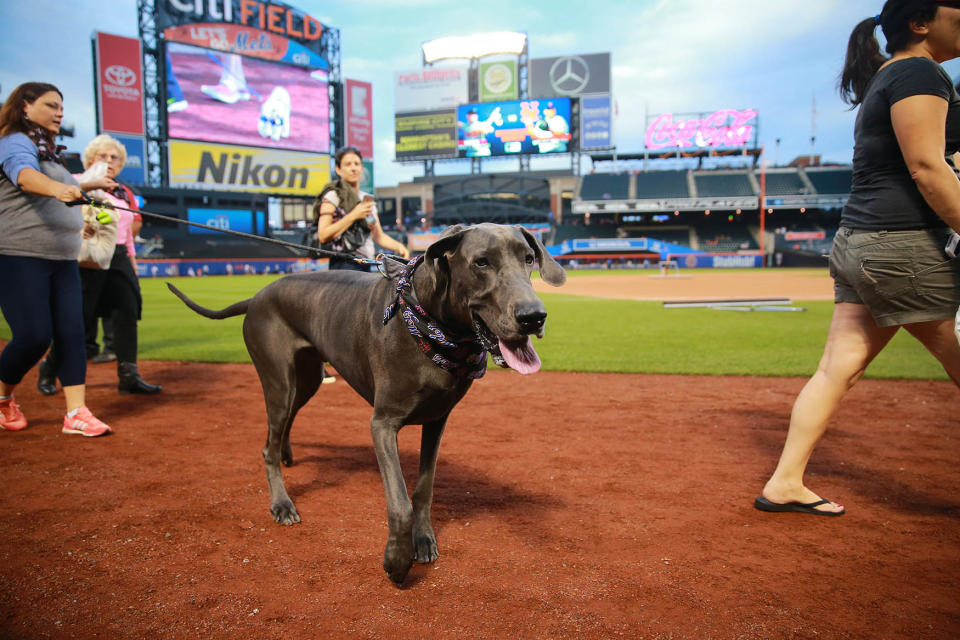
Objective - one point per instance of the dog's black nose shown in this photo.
(531, 319)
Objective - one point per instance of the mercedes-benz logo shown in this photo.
(569, 75)
(120, 75)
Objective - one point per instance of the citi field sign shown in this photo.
(269, 30)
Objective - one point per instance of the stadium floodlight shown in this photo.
(475, 46)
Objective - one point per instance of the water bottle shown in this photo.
(371, 217)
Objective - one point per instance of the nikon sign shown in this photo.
(201, 165)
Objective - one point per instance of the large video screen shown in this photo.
(516, 127)
(228, 98)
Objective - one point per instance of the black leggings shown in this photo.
(41, 301)
(111, 294)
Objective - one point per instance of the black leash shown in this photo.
(314, 251)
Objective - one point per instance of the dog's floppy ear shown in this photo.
(550, 270)
(435, 258)
(447, 241)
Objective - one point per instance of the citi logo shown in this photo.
(240, 170)
(120, 75)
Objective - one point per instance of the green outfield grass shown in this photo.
(583, 334)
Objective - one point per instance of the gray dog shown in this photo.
(411, 344)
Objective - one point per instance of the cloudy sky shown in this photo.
(668, 55)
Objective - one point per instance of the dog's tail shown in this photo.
(236, 309)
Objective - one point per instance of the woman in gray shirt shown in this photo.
(40, 239)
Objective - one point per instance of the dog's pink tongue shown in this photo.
(522, 358)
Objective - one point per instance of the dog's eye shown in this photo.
(481, 262)
(529, 259)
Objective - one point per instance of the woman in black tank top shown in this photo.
(888, 261)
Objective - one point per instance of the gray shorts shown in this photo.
(901, 276)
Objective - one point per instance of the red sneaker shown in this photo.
(11, 418)
(85, 423)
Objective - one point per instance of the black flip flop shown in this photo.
(765, 505)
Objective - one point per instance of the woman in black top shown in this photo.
(888, 260)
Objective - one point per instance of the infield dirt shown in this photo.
(567, 506)
(796, 284)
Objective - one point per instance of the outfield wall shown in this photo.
(147, 268)
(718, 260)
(582, 259)
(598, 253)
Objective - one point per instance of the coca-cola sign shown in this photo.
(721, 129)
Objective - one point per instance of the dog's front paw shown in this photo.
(285, 513)
(397, 562)
(426, 547)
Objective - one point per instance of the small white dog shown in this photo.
(275, 115)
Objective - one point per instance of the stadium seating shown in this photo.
(673, 235)
(571, 231)
(725, 238)
(723, 184)
(830, 180)
(605, 186)
(819, 246)
(654, 185)
(785, 183)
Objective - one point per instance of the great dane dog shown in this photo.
(410, 343)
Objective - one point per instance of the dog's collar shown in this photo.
(460, 354)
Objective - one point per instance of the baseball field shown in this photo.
(609, 495)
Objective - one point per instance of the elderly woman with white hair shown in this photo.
(112, 155)
(113, 293)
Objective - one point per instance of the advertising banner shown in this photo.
(514, 128)
(721, 129)
(135, 169)
(230, 38)
(431, 89)
(570, 75)
(150, 268)
(623, 245)
(202, 165)
(421, 240)
(427, 134)
(241, 220)
(119, 84)
(366, 182)
(271, 30)
(805, 235)
(498, 81)
(232, 99)
(596, 121)
(360, 117)
(719, 261)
